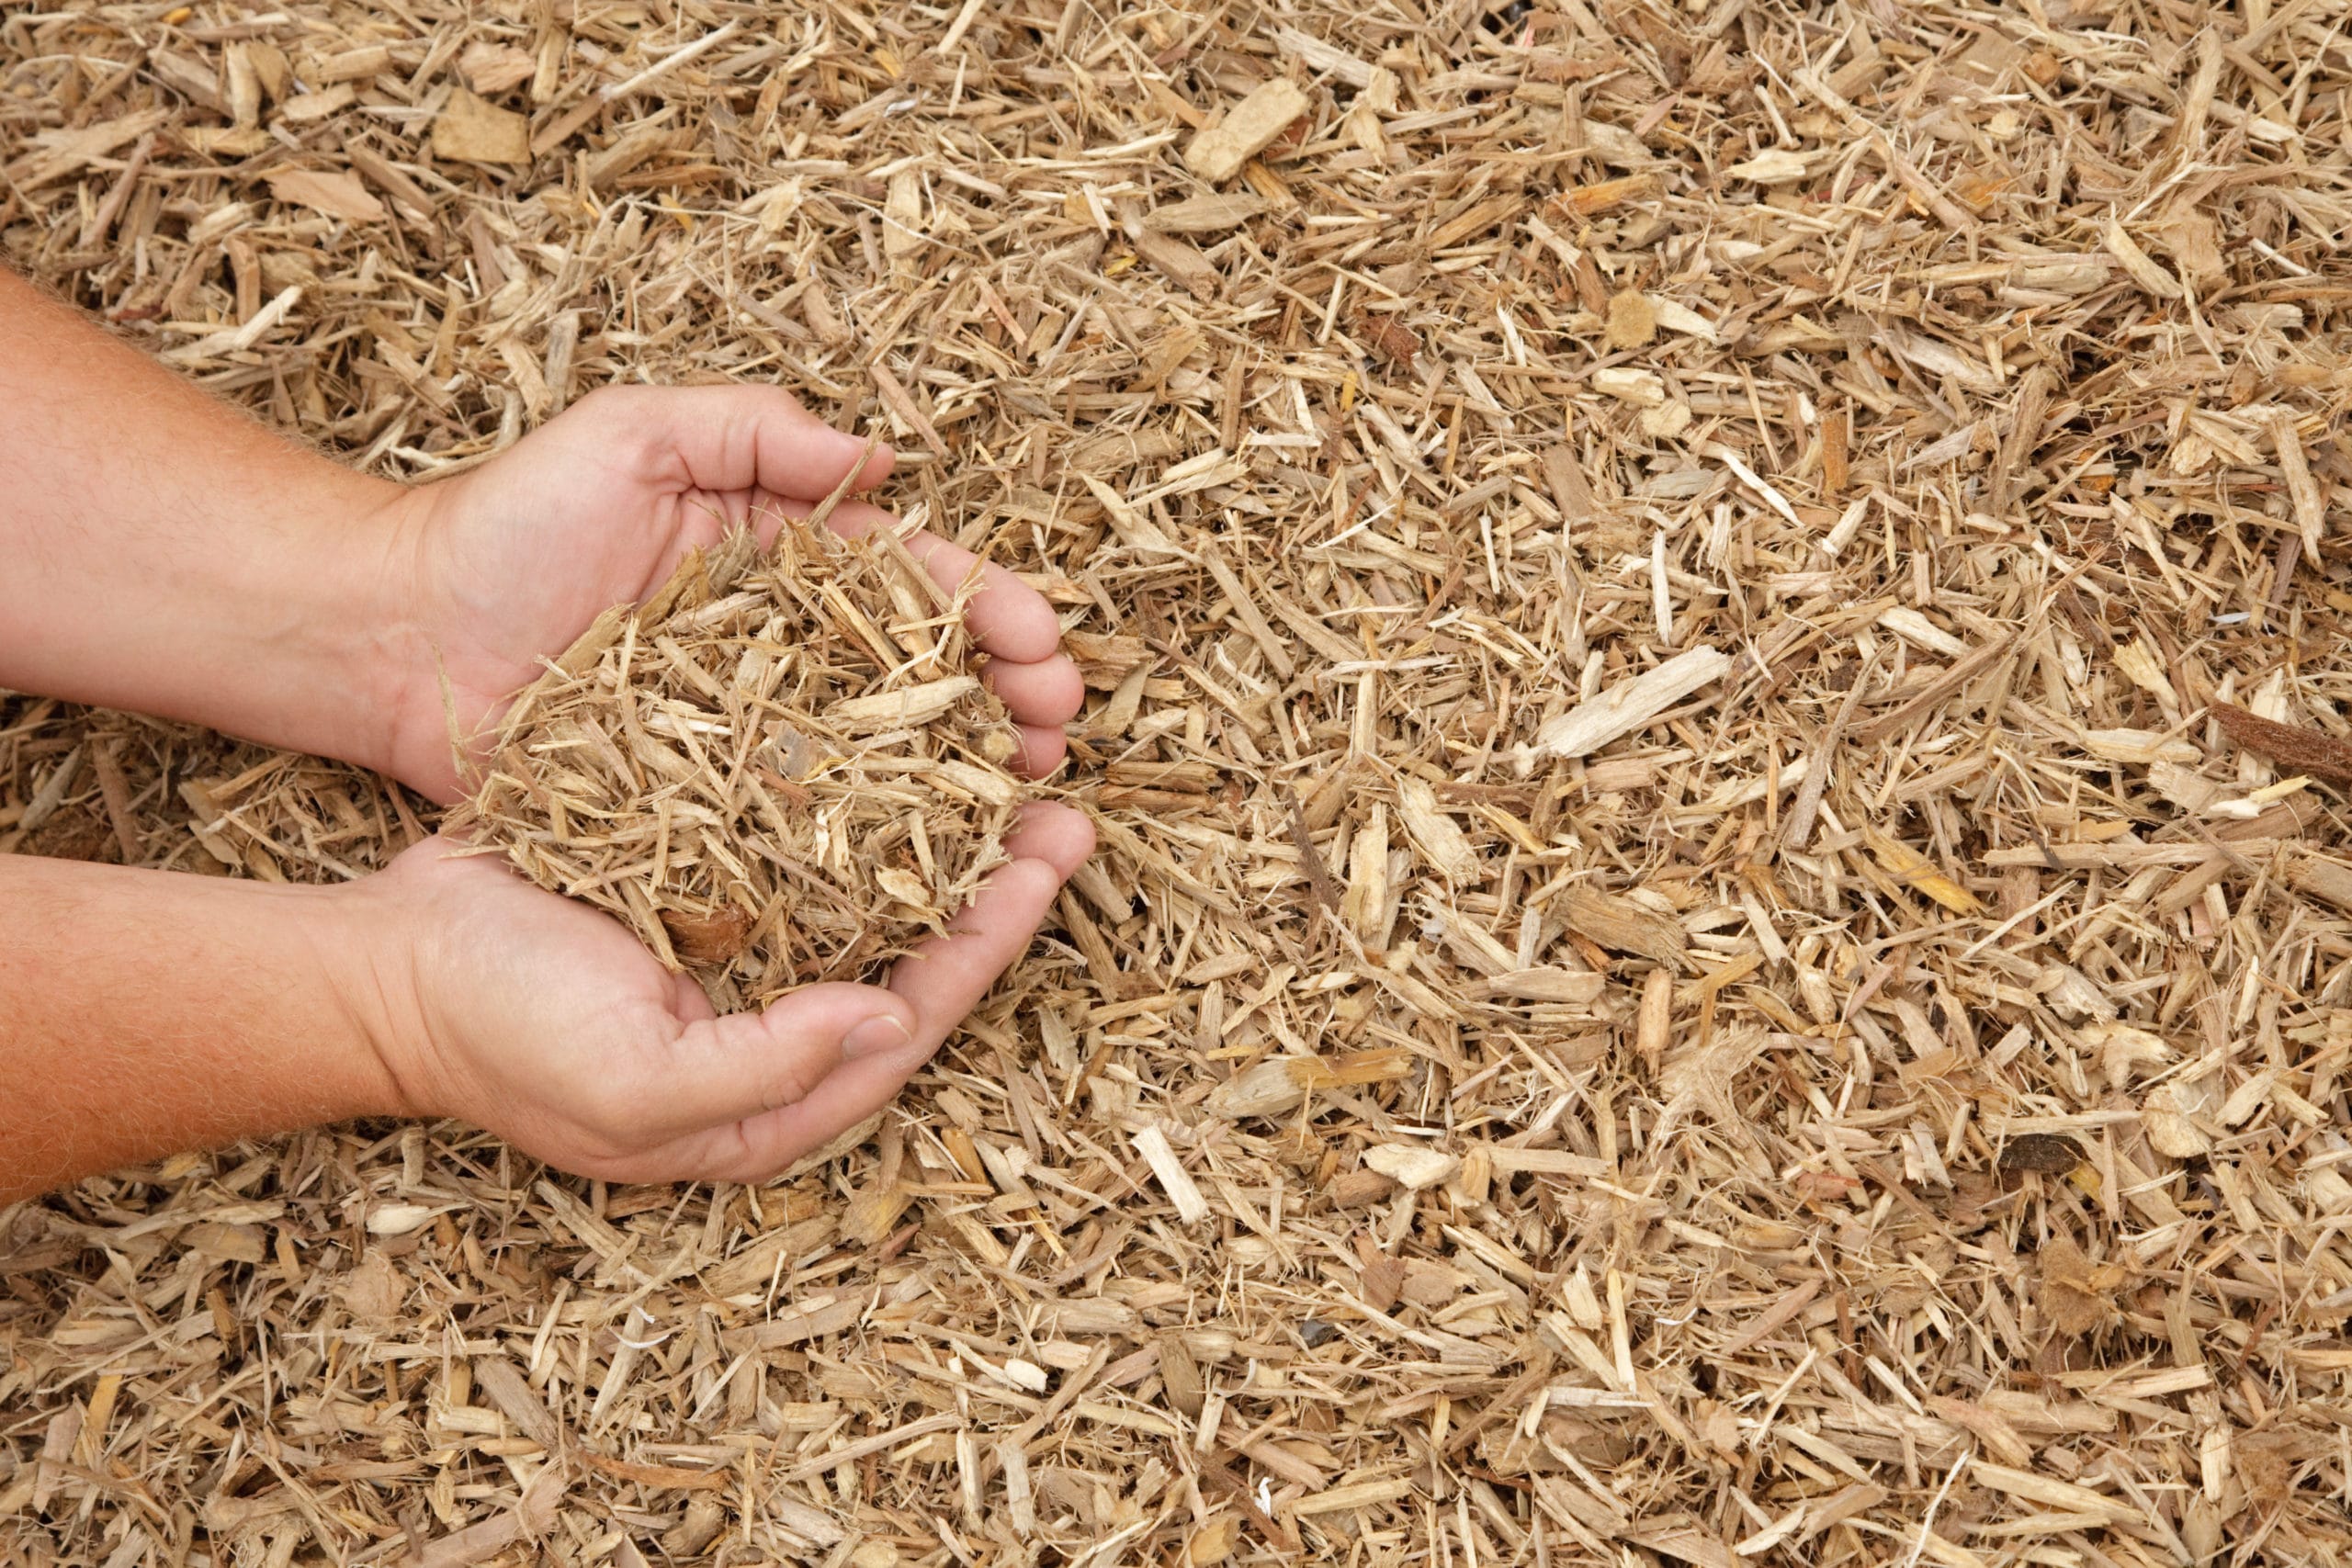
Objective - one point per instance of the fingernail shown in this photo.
(876, 1034)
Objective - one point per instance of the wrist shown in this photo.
(401, 676)
(363, 941)
(379, 702)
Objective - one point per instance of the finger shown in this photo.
(1048, 691)
(748, 1065)
(732, 439)
(688, 1000)
(1041, 751)
(945, 977)
(1061, 836)
(1008, 617)
(942, 980)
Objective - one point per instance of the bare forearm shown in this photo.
(146, 1012)
(160, 551)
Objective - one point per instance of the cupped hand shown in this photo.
(507, 564)
(545, 1022)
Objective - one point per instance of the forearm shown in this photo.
(161, 551)
(146, 1012)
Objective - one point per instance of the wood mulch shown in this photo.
(1719, 718)
(777, 769)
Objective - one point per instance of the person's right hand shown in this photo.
(547, 1022)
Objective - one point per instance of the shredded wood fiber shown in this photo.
(780, 768)
(1693, 960)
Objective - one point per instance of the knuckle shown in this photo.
(788, 1082)
(602, 402)
(615, 414)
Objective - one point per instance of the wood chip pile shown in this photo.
(1719, 710)
(778, 770)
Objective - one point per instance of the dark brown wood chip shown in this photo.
(2048, 1152)
(2289, 745)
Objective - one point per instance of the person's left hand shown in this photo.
(504, 566)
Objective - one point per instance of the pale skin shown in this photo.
(160, 551)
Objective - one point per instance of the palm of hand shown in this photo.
(531, 988)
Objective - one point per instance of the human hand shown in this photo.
(546, 1022)
(506, 565)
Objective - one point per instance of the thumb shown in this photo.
(730, 438)
(748, 1066)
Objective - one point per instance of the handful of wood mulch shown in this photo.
(777, 769)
